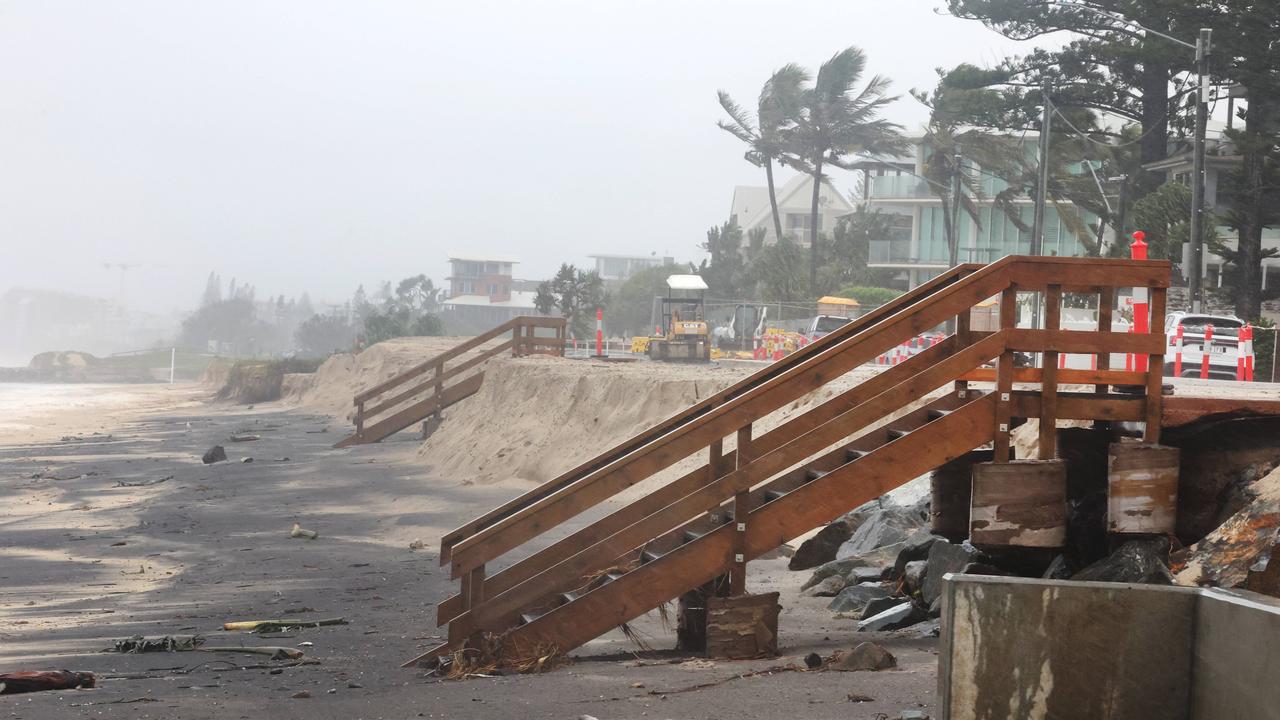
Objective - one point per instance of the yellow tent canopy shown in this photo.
(833, 300)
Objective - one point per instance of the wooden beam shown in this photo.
(1106, 302)
(1066, 376)
(1004, 377)
(1155, 369)
(1085, 341)
(1049, 382)
(1083, 406)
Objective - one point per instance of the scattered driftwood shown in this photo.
(261, 626)
(246, 437)
(37, 681)
(144, 483)
(190, 643)
(774, 670)
(161, 643)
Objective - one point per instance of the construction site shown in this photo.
(487, 527)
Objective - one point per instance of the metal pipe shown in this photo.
(1196, 271)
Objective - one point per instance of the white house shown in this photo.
(795, 199)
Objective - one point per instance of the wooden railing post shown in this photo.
(359, 418)
(741, 509)
(1106, 300)
(1155, 369)
(517, 337)
(963, 340)
(1004, 377)
(1049, 376)
(439, 384)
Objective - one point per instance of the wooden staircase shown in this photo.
(428, 388)
(772, 486)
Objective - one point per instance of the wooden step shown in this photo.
(647, 556)
(851, 455)
(811, 474)
(568, 597)
(690, 536)
(527, 618)
(771, 495)
(895, 433)
(938, 414)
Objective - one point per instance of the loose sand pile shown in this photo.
(330, 388)
(537, 417)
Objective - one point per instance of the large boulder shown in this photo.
(822, 547)
(829, 587)
(1137, 561)
(854, 598)
(888, 527)
(914, 548)
(945, 557)
(898, 616)
(866, 656)
(853, 570)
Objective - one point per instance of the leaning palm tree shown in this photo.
(835, 121)
(765, 137)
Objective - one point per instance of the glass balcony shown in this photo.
(897, 186)
(889, 251)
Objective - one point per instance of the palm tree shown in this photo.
(776, 110)
(835, 121)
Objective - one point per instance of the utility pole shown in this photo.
(1042, 191)
(958, 161)
(1195, 273)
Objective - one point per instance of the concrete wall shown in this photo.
(1020, 648)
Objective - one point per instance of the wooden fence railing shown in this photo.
(429, 387)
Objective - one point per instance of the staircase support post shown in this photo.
(1155, 370)
(439, 387)
(1049, 377)
(1106, 300)
(517, 336)
(1004, 378)
(963, 340)
(741, 509)
(359, 418)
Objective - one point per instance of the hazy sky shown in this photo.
(311, 145)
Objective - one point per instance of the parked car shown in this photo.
(1222, 351)
(823, 324)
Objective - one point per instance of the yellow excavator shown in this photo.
(685, 337)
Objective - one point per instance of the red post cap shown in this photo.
(1138, 250)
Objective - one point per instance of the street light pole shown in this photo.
(1042, 190)
(1195, 273)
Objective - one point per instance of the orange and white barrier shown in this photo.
(1205, 351)
(1177, 353)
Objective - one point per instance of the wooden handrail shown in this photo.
(829, 361)
(785, 455)
(699, 409)
(670, 492)
(579, 492)
(432, 388)
(430, 363)
(569, 571)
